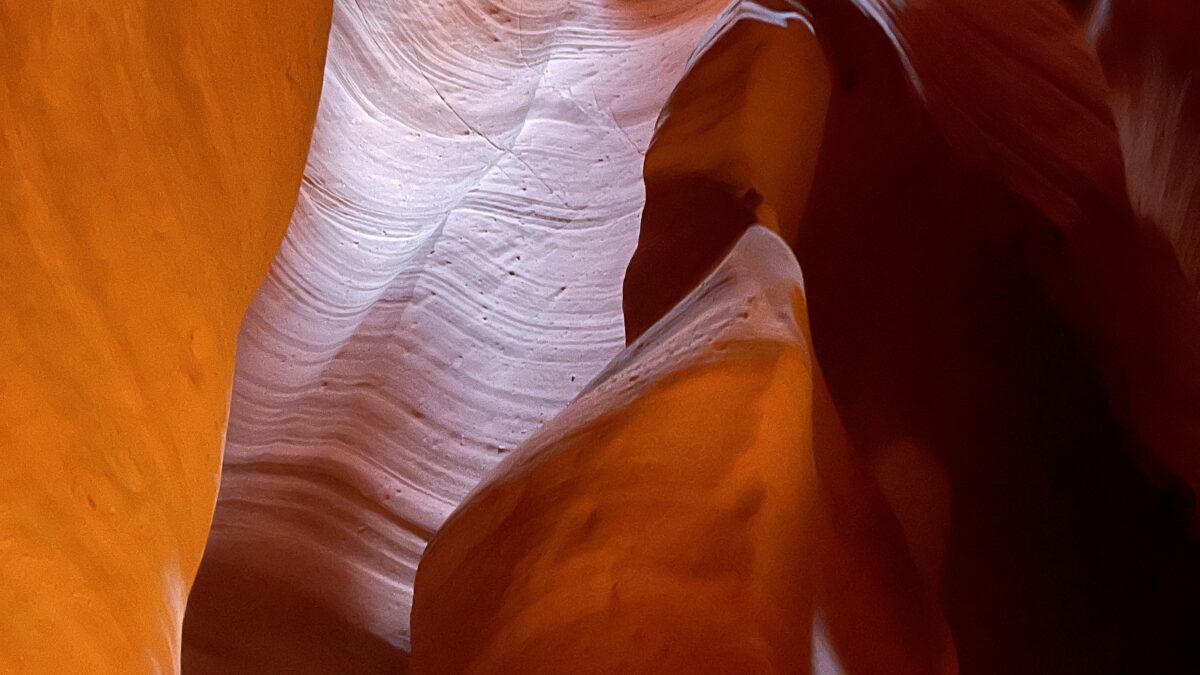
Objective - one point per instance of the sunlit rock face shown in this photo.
(632, 534)
(450, 279)
(965, 434)
(737, 144)
(629, 518)
(149, 161)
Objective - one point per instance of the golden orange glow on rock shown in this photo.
(674, 517)
(736, 144)
(960, 244)
(149, 160)
(632, 533)
(903, 372)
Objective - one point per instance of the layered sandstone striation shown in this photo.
(967, 435)
(680, 515)
(450, 279)
(1150, 59)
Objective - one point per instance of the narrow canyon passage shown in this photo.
(600, 336)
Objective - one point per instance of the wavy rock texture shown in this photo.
(629, 535)
(1150, 56)
(450, 279)
(149, 160)
(1000, 281)
(988, 313)
(737, 144)
(632, 535)
(1114, 275)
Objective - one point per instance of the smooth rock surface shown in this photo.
(681, 515)
(150, 155)
(994, 324)
(1016, 93)
(736, 144)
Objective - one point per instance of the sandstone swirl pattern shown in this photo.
(450, 279)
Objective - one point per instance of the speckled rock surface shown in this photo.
(450, 279)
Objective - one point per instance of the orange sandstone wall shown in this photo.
(149, 160)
